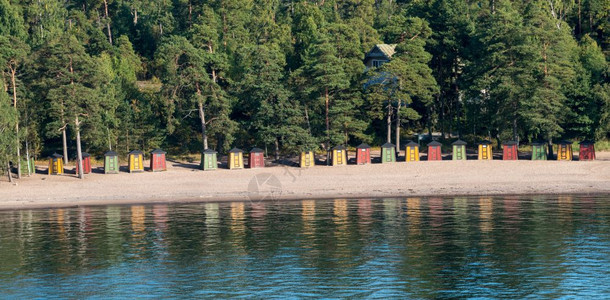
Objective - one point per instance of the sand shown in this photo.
(185, 183)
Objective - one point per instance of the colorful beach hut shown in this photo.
(236, 159)
(564, 150)
(136, 161)
(363, 154)
(538, 151)
(485, 152)
(86, 163)
(56, 164)
(111, 163)
(307, 159)
(157, 160)
(510, 151)
(586, 151)
(388, 153)
(256, 158)
(28, 166)
(208, 160)
(435, 151)
(412, 151)
(459, 150)
(339, 156)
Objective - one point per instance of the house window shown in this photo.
(377, 63)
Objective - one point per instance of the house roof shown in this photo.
(387, 49)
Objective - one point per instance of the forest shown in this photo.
(288, 75)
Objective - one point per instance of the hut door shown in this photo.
(412, 154)
(485, 154)
(339, 157)
(307, 159)
(236, 160)
(136, 162)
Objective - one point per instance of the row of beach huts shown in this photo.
(256, 158)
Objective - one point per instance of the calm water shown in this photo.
(551, 247)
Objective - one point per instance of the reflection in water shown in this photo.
(485, 211)
(308, 214)
(238, 225)
(511, 247)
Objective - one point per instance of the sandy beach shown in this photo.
(185, 183)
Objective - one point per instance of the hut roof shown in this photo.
(136, 152)
(587, 142)
(55, 155)
(158, 151)
(110, 153)
(538, 143)
(509, 143)
(209, 151)
(340, 147)
(564, 142)
(256, 150)
(363, 146)
(85, 154)
(434, 143)
(388, 145)
(485, 142)
(459, 143)
(412, 144)
(236, 150)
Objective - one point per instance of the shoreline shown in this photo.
(182, 183)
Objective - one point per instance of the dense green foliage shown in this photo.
(187, 75)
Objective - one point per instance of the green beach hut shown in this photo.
(208, 160)
(111, 163)
(538, 151)
(459, 150)
(388, 153)
(28, 166)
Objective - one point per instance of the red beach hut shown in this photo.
(157, 161)
(257, 158)
(434, 151)
(363, 154)
(587, 150)
(509, 151)
(86, 163)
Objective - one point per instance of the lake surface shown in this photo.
(517, 247)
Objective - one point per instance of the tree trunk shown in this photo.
(204, 134)
(108, 22)
(327, 127)
(79, 153)
(398, 127)
(549, 155)
(65, 145)
(27, 155)
(13, 82)
(579, 29)
(515, 137)
(277, 149)
(27, 146)
(307, 119)
(389, 123)
(8, 171)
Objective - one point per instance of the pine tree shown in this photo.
(274, 116)
(406, 79)
(8, 120)
(328, 80)
(13, 52)
(188, 83)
